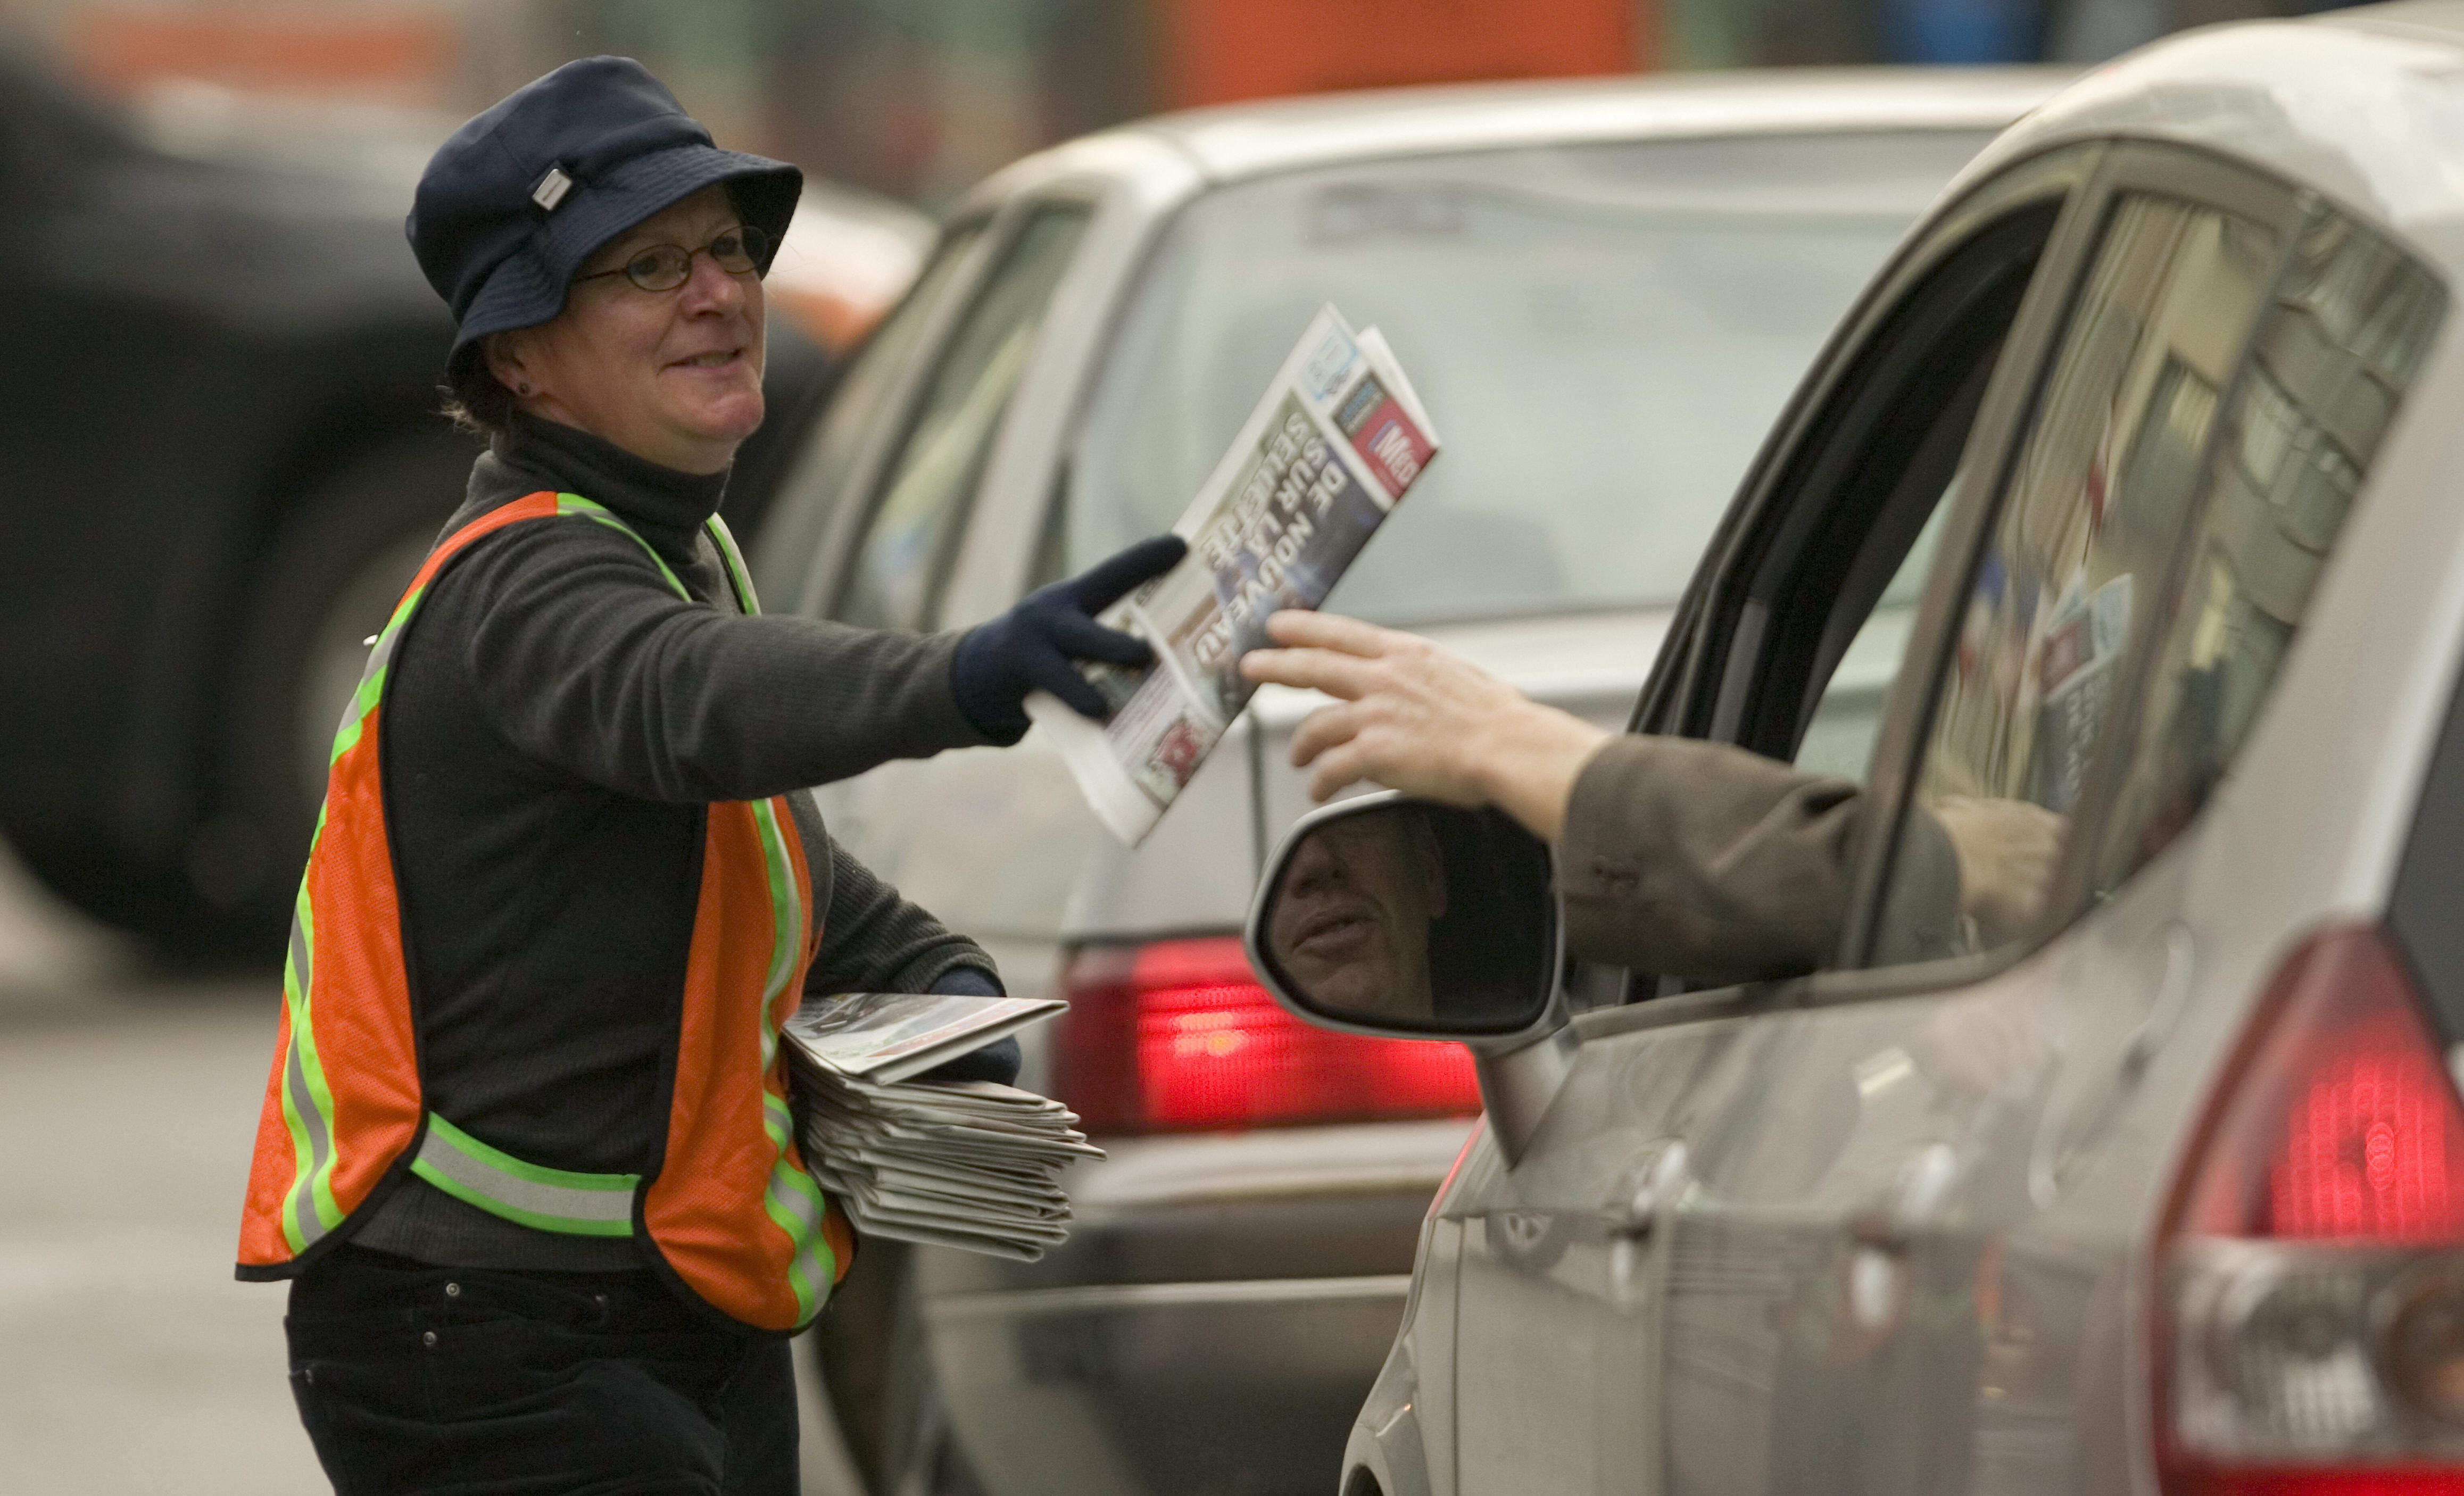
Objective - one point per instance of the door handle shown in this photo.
(1643, 1189)
(1916, 1195)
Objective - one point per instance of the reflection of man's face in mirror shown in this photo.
(1350, 925)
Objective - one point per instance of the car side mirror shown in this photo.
(1406, 918)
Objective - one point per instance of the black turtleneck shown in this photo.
(556, 720)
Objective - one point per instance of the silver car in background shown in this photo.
(1604, 292)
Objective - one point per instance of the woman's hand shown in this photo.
(1415, 718)
(1031, 647)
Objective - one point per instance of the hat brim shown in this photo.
(528, 287)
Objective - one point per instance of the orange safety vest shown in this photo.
(730, 1210)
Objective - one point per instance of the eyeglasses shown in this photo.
(664, 267)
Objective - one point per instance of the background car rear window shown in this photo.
(782, 558)
(911, 537)
(2078, 560)
(1602, 333)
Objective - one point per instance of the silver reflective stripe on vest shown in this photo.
(545, 1200)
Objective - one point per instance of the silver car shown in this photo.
(2162, 1190)
(1603, 292)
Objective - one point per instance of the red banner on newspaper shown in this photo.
(1384, 435)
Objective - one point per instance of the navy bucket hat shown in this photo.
(514, 202)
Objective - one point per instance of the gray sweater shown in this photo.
(557, 722)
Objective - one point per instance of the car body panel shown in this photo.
(1911, 1253)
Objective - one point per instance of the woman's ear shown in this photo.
(508, 359)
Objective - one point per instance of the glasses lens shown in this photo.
(738, 250)
(663, 268)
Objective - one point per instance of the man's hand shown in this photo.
(2007, 850)
(1412, 718)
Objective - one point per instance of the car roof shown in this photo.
(2365, 106)
(1253, 139)
(1234, 142)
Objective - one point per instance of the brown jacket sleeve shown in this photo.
(1704, 861)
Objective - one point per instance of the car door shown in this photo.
(1559, 1252)
(1771, 1222)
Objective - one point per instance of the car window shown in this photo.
(1839, 737)
(782, 557)
(2335, 353)
(2075, 564)
(911, 537)
(1602, 333)
(1836, 557)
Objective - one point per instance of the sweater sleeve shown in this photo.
(585, 659)
(1706, 861)
(873, 940)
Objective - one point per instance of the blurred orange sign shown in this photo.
(1220, 51)
(390, 57)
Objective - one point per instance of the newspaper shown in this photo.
(967, 1164)
(1335, 442)
(889, 1036)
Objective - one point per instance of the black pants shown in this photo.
(415, 1380)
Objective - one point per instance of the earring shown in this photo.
(522, 389)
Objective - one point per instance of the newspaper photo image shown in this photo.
(1333, 444)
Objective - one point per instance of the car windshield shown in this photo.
(1601, 333)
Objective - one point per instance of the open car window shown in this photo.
(1796, 627)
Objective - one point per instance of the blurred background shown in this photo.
(917, 99)
(156, 653)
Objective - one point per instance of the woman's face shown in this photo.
(670, 376)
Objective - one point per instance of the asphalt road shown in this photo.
(131, 1364)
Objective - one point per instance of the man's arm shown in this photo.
(1694, 859)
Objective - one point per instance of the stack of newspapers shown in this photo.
(967, 1164)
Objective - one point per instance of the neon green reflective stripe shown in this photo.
(575, 504)
(355, 712)
(308, 1207)
(792, 1199)
(786, 918)
(795, 1202)
(542, 1199)
(736, 573)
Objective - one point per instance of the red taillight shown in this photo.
(1179, 1036)
(2313, 1335)
(2339, 1121)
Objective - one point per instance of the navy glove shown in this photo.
(1030, 647)
(995, 1062)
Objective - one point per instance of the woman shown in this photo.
(525, 1155)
